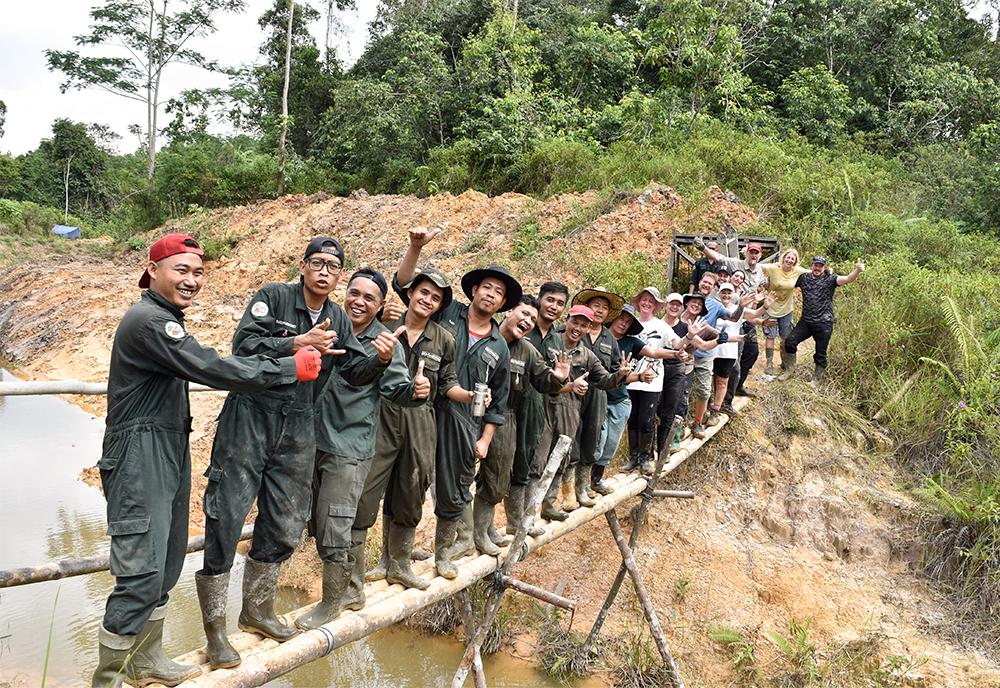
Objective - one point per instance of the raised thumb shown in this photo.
(325, 324)
(399, 332)
(420, 368)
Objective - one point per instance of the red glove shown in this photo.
(307, 364)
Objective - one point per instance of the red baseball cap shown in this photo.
(754, 246)
(584, 311)
(170, 245)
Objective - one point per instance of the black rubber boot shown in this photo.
(260, 582)
(582, 482)
(354, 598)
(597, 483)
(378, 573)
(482, 519)
(149, 663)
(787, 365)
(212, 593)
(549, 510)
(444, 539)
(818, 374)
(336, 576)
(112, 653)
(400, 546)
(464, 542)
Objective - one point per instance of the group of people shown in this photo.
(335, 410)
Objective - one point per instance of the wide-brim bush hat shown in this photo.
(435, 277)
(636, 326)
(689, 297)
(652, 291)
(512, 295)
(615, 302)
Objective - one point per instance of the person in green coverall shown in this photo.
(146, 461)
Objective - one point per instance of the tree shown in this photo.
(815, 103)
(3, 116)
(284, 100)
(153, 37)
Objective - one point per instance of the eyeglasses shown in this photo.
(317, 264)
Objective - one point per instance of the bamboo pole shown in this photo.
(539, 593)
(21, 388)
(676, 494)
(514, 553)
(66, 568)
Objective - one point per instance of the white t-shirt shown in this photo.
(730, 349)
(655, 334)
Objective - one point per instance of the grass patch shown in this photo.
(583, 214)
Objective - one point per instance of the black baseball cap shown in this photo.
(821, 260)
(325, 244)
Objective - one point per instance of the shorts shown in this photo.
(782, 326)
(701, 382)
(723, 367)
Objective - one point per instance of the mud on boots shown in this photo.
(354, 598)
(482, 520)
(549, 511)
(148, 663)
(444, 540)
(582, 482)
(787, 365)
(378, 573)
(260, 583)
(465, 544)
(212, 594)
(515, 504)
(597, 483)
(336, 576)
(400, 546)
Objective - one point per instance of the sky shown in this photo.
(31, 91)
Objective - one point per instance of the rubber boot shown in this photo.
(482, 519)
(787, 365)
(514, 504)
(112, 653)
(260, 582)
(212, 593)
(354, 598)
(582, 481)
(549, 510)
(444, 538)
(769, 357)
(646, 440)
(818, 373)
(378, 573)
(336, 576)
(149, 663)
(464, 542)
(496, 537)
(400, 544)
(567, 491)
(597, 483)
(675, 444)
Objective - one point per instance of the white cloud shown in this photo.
(31, 91)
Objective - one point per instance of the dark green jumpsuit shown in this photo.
(146, 462)
(595, 401)
(345, 439)
(487, 361)
(407, 435)
(531, 417)
(265, 444)
(527, 369)
(563, 410)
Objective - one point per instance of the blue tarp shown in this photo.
(66, 232)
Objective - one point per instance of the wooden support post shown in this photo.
(676, 494)
(514, 553)
(539, 593)
(647, 604)
(638, 518)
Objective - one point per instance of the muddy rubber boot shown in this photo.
(769, 356)
(581, 483)
(818, 374)
(149, 663)
(549, 510)
(496, 537)
(354, 598)
(260, 582)
(464, 542)
(482, 519)
(112, 653)
(514, 504)
(444, 538)
(400, 544)
(336, 576)
(212, 593)
(597, 483)
(787, 365)
(567, 490)
(646, 440)
(675, 443)
(378, 573)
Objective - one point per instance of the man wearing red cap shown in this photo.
(146, 462)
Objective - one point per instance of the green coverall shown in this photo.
(407, 436)
(345, 440)
(595, 402)
(531, 414)
(146, 462)
(527, 369)
(265, 444)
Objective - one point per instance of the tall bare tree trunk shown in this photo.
(329, 30)
(284, 101)
(66, 189)
(150, 136)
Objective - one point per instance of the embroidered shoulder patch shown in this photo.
(174, 330)
(259, 309)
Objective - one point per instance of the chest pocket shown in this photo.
(517, 379)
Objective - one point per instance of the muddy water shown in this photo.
(47, 513)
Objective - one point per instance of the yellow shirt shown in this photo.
(782, 284)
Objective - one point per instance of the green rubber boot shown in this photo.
(549, 510)
(378, 573)
(514, 505)
(400, 546)
(464, 542)
(354, 598)
(582, 482)
(149, 663)
(444, 538)
(212, 593)
(787, 365)
(113, 652)
(482, 519)
(336, 576)
(260, 582)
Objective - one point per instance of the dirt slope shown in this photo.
(785, 525)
